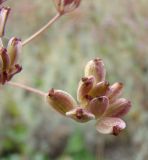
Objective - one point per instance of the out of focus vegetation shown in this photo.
(116, 31)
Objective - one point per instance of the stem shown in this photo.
(27, 88)
(58, 15)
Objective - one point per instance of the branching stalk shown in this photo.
(27, 88)
(54, 19)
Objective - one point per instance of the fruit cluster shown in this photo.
(97, 100)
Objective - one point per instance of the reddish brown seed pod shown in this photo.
(115, 91)
(61, 101)
(65, 6)
(84, 87)
(98, 106)
(5, 58)
(100, 89)
(119, 108)
(4, 12)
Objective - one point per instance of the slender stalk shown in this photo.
(58, 15)
(27, 88)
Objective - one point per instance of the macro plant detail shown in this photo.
(65, 6)
(9, 56)
(96, 98)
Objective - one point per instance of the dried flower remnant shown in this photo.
(97, 100)
(4, 12)
(9, 60)
(65, 6)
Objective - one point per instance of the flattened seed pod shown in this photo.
(115, 91)
(98, 106)
(61, 101)
(5, 58)
(14, 49)
(100, 89)
(119, 108)
(4, 12)
(95, 68)
(85, 86)
(110, 125)
(65, 6)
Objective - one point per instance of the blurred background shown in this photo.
(117, 32)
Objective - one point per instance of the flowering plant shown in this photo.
(97, 99)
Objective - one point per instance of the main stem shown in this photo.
(27, 88)
(58, 15)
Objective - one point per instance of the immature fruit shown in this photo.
(65, 6)
(115, 91)
(4, 12)
(119, 108)
(61, 101)
(98, 106)
(14, 49)
(95, 68)
(100, 89)
(85, 86)
(5, 58)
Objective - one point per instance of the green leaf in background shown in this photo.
(77, 149)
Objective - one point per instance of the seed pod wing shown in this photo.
(110, 125)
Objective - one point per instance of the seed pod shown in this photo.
(115, 91)
(61, 101)
(16, 69)
(85, 86)
(65, 6)
(110, 125)
(4, 12)
(14, 49)
(95, 68)
(80, 114)
(100, 89)
(98, 106)
(119, 108)
(5, 58)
